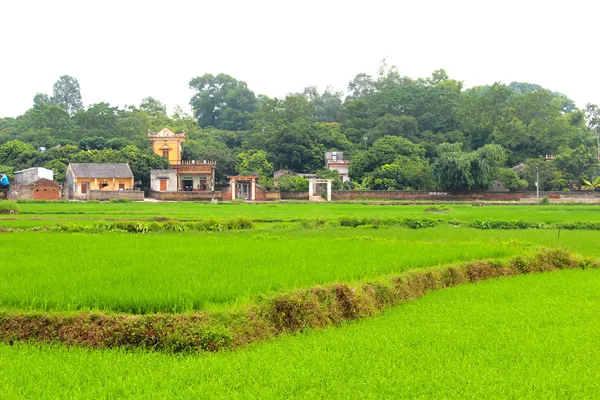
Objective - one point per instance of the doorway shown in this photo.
(187, 185)
(243, 191)
(163, 185)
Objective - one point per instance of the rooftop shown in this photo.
(96, 170)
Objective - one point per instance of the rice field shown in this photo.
(191, 271)
(529, 337)
(288, 212)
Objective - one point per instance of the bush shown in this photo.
(120, 200)
(8, 207)
(545, 201)
(292, 183)
(442, 208)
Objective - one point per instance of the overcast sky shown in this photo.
(122, 51)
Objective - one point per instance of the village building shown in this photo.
(185, 175)
(30, 175)
(84, 177)
(34, 183)
(335, 160)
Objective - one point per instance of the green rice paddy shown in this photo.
(532, 336)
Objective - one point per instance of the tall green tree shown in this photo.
(66, 92)
(222, 102)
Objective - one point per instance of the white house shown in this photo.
(30, 175)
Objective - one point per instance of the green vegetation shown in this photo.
(400, 132)
(281, 289)
(8, 207)
(532, 336)
(189, 271)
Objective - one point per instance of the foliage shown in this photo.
(511, 179)
(591, 185)
(66, 92)
(456, 169)
(254, 162)
(292, 183)
(222, 102)
(333, 174)
(421, 114)
(8, 207)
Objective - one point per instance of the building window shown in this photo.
(166, 154)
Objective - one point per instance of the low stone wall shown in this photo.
(185, 196)
(18, 192)
(423, 195)
(408, 195)
(262, 195)
(224, 195)
(575, 194)
(135, 195)
(294, 195)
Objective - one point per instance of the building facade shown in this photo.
(30, 175)
(83, 177)
(335, 160)
(188, 175)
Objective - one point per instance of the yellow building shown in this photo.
(83, 177)
(167, 143)
(189, 175)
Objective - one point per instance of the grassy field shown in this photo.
(286, 212)
(530, 336)
(183, 272)
(533, 336)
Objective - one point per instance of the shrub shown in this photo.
(442, 208)
(545, 201)
(8, 207)
(120, 200)
(292, 183)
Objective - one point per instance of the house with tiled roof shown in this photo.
(84, 177)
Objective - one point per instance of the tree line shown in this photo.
(400, 132)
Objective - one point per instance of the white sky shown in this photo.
(122, 51)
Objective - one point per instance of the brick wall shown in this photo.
(18, 192)
(422, 195)
(457, 196)
(186, 196)
(45, 189)
(294, 195)
(263, 195)
(135, 195)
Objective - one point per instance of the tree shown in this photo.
(66, 92)
(292, 183)
(404, 173)
(286, 130)
(391, 125)
(254, 162)
(511, 179)
(384, 151)
(577, 164)
(40, 99)
(153, 107)
(455, 169)
(59, 168)
(222, 102)
(593, 185)
(15, 152)
(333, 174)
(326, 105)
